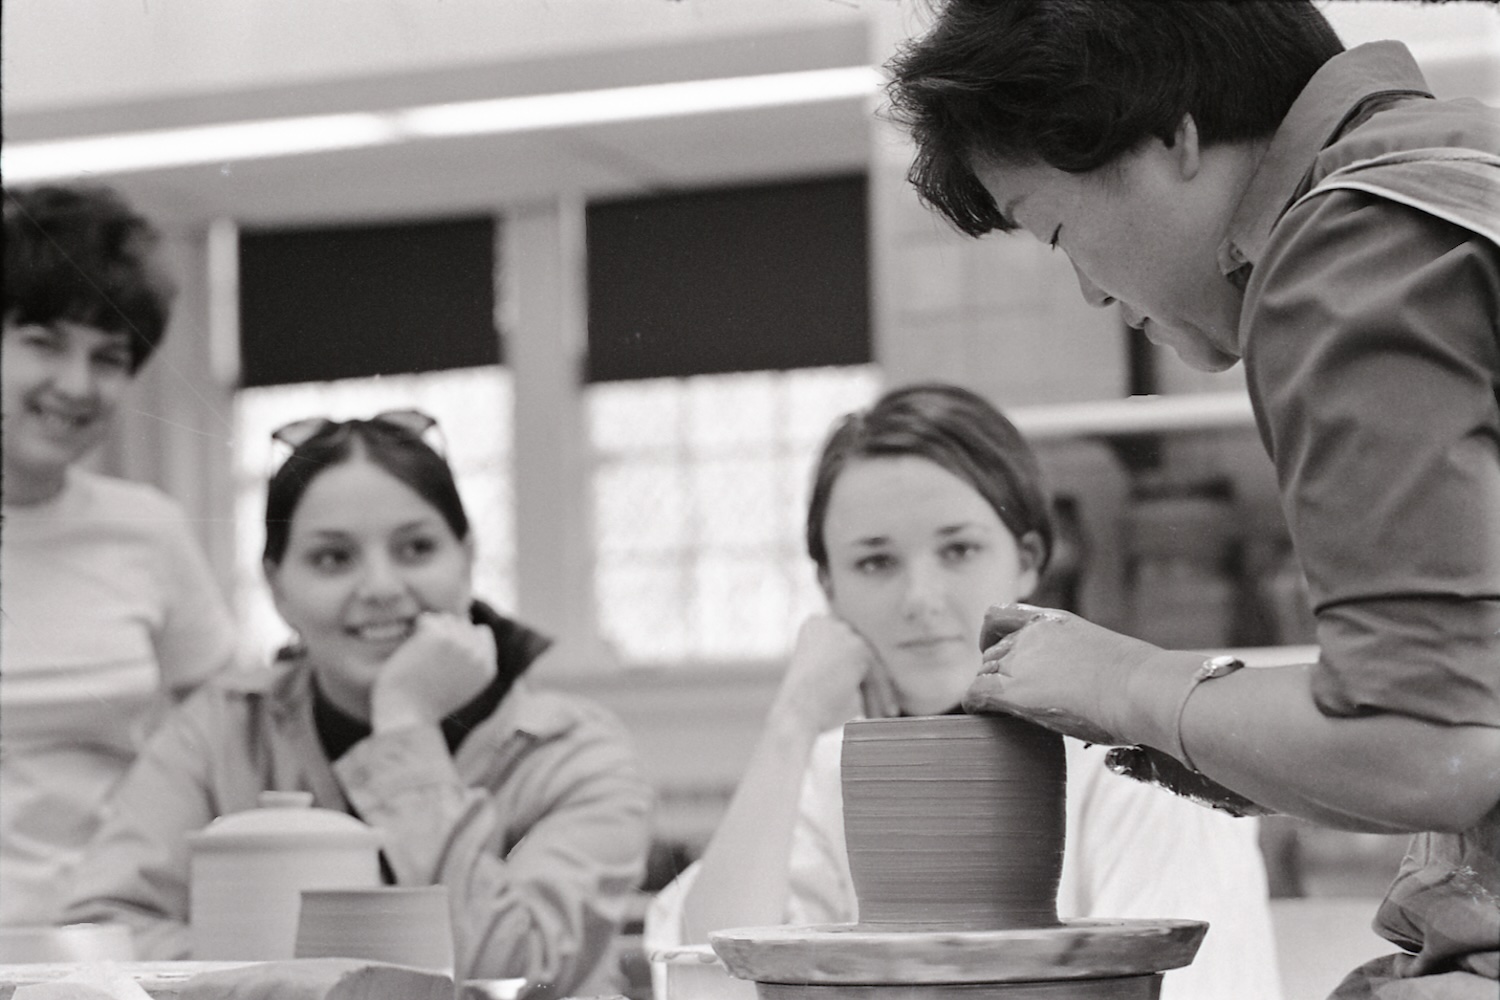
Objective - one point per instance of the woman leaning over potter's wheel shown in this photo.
(1257, 192)
(405, 703)
(923, 508)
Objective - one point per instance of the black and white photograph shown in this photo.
(750, 500)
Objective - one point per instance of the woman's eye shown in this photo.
(874, 564)
(417, 548)
(329, 560)
(43, 338)
(959, 551)
(1052, 243)
(113, 360)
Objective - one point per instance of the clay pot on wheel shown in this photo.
(954, 821)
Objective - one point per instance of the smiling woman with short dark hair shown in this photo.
(109, 602)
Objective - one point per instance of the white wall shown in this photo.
(1457, 44)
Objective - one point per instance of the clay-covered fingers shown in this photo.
(1056, 669)
(1003, 620)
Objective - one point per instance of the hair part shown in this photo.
(82, 254)
(394, 449)
(1076, 84)
(951, 427)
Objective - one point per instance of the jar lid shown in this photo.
(284, 820)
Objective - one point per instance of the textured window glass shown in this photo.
(700, 488)
(624, 490)
(473, 408)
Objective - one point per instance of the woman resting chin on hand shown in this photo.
(404, 704)
(926, 509)
(407, 693)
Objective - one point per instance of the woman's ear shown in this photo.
(1032, 553)
(1189, 154)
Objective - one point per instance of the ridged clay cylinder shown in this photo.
(954, 821)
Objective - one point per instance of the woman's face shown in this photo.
(62, 383)
(1143, 235)
(365, 555)
(915, 556)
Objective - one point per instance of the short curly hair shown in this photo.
(81, 253)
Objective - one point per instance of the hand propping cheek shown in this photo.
(830, 661)
(446, 662)
(1057, 670)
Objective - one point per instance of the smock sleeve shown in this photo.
(1373, 361)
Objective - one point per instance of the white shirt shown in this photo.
(108, 603)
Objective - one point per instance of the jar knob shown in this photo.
(285, 800)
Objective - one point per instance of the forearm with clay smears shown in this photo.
(1258, 732)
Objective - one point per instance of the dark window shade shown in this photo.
(346, 302)
(772, 276)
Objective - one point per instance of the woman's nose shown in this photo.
(74, 375)
(924, 589)
(1092, 293)
(381, 579)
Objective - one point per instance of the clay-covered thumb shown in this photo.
(1003, 619)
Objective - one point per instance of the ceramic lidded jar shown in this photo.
(954, 821)
(248, 870)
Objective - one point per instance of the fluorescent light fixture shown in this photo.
(177, 147)
(27, 162)
(657, 100)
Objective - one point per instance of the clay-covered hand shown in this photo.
(445, 662)
(1057, 670)
(833, 675)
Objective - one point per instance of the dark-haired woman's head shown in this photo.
(82, 254)
(925, 509)
(1124, 133)
(85, 304)
(365, 533)
(1075, 84)
(395, 448)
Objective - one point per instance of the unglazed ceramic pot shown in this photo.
(400, 924)
(249, 868)
(954, 821)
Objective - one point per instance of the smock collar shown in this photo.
(1326, 107)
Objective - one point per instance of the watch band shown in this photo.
(1215, 666)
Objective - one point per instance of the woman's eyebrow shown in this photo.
(960, 527)
(870, 540)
